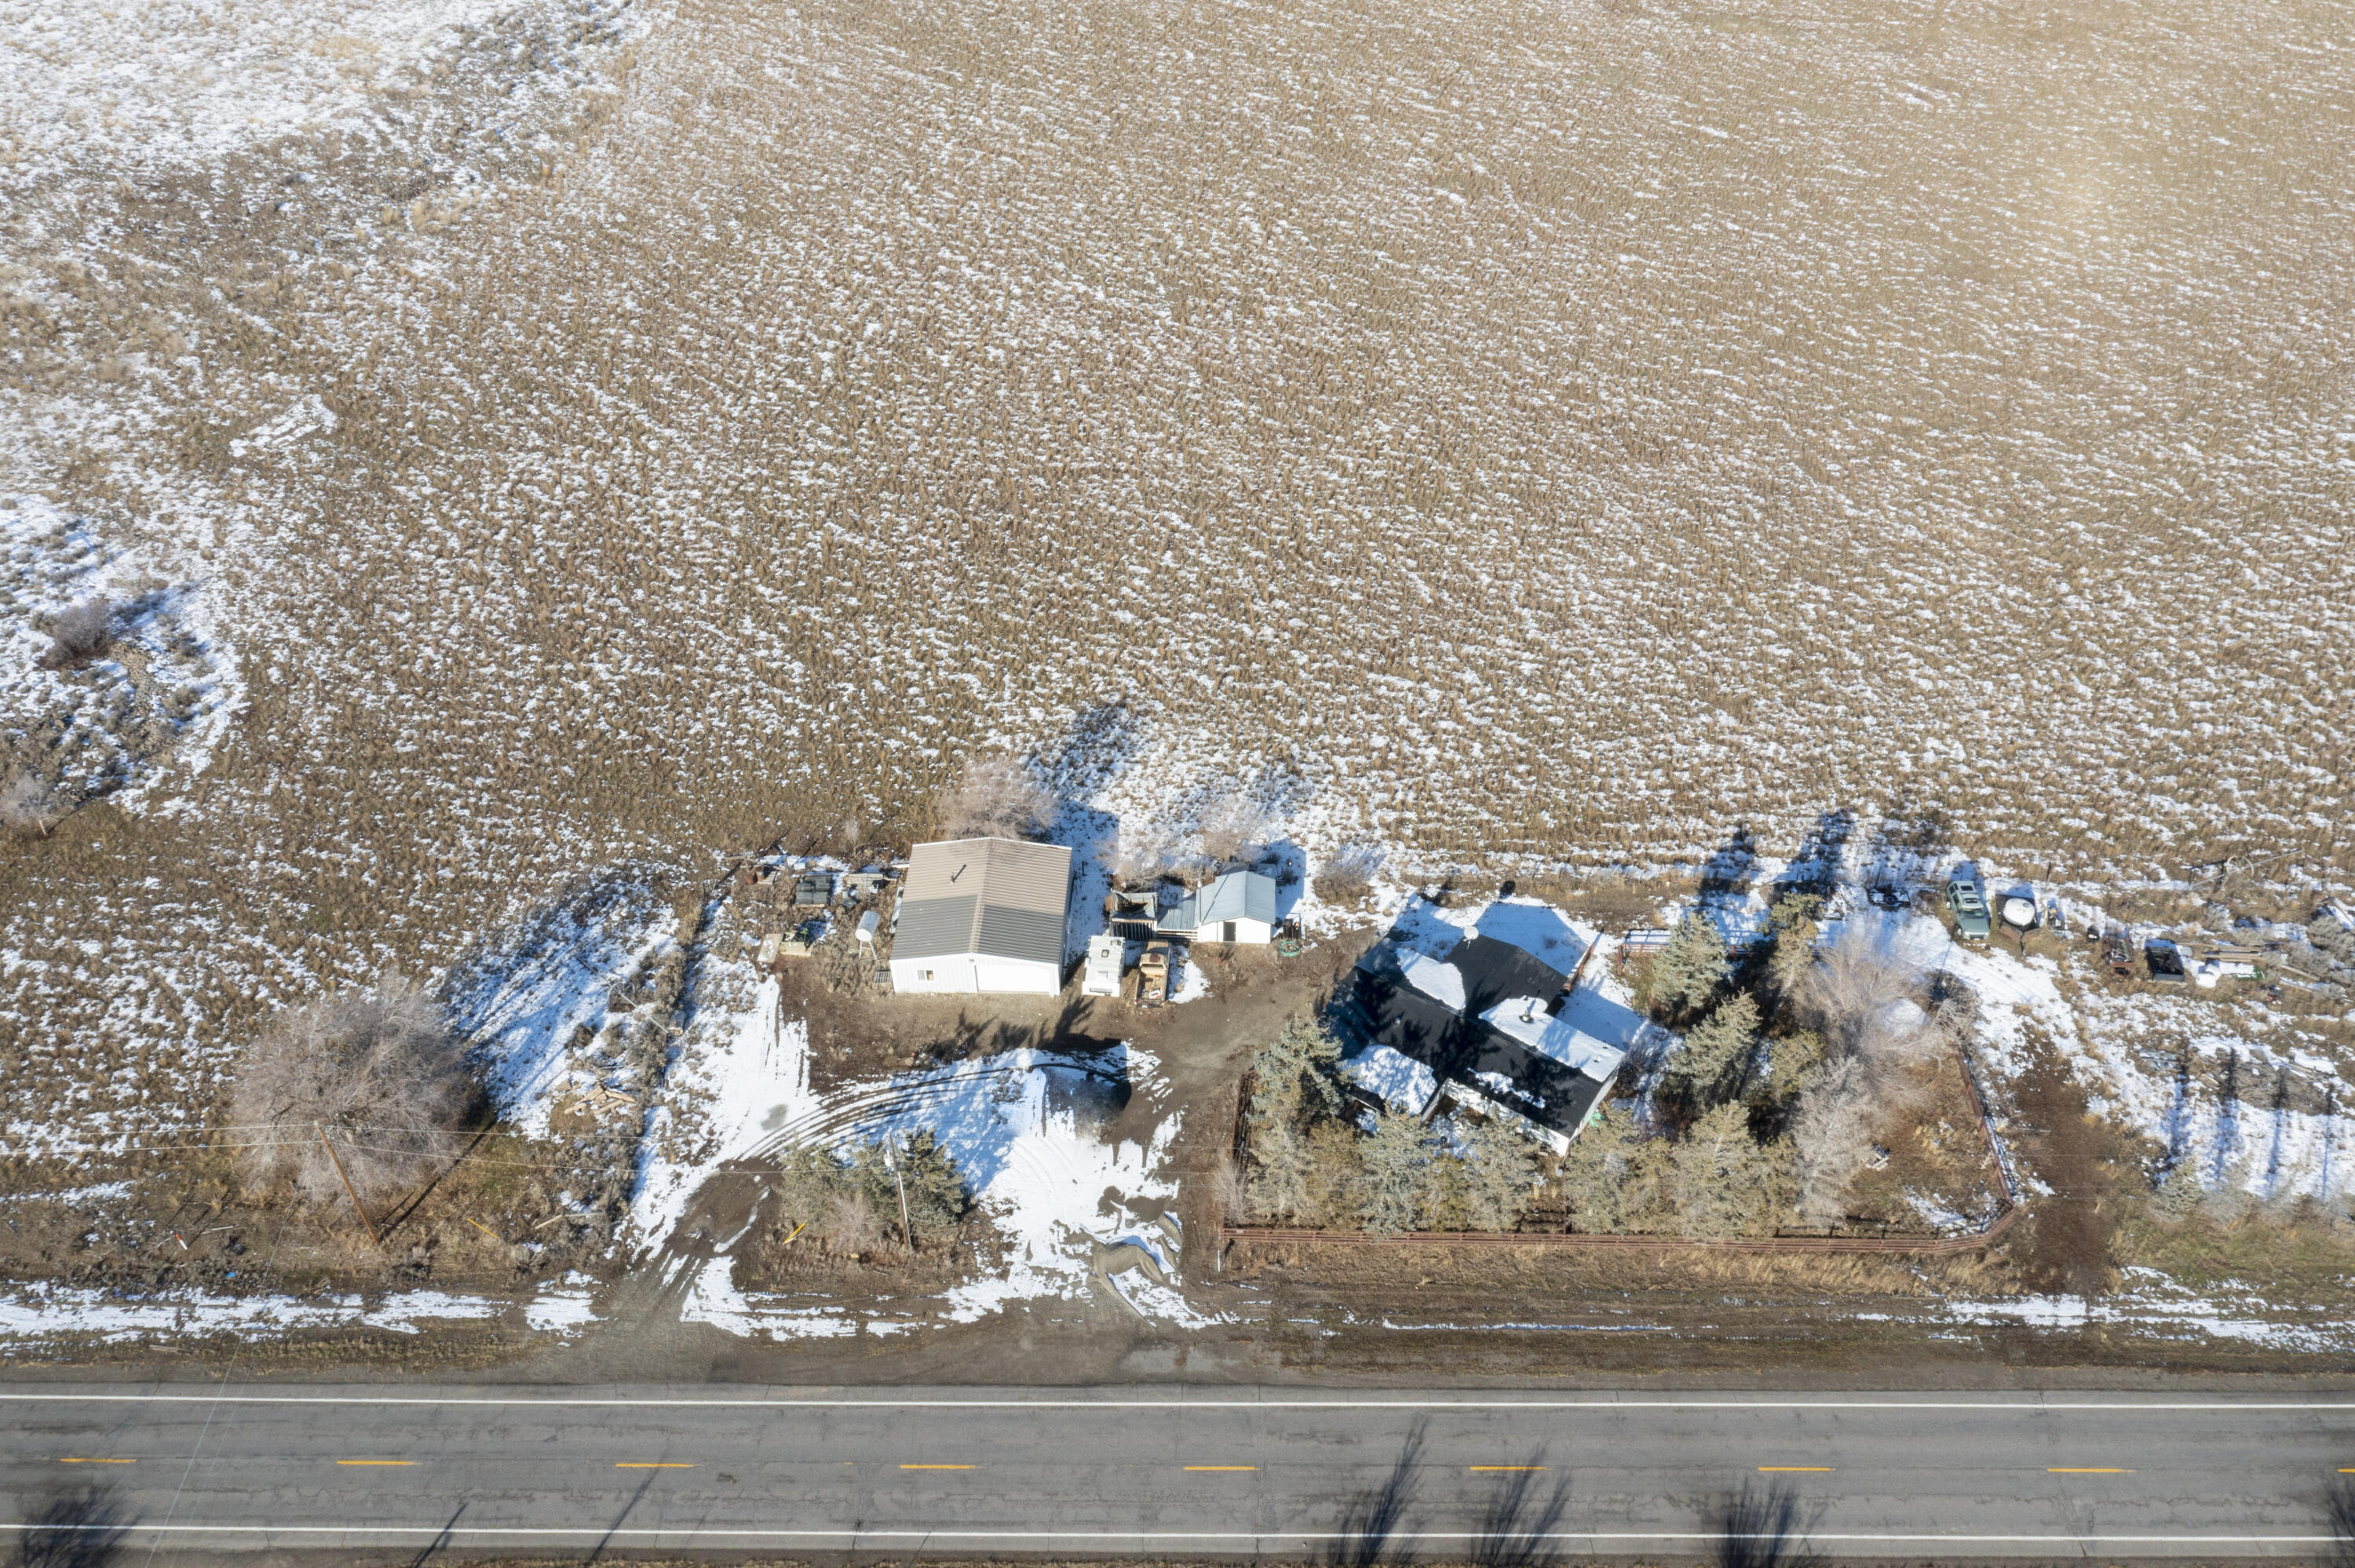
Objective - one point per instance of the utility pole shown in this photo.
(348, 1191)
(891, 1157)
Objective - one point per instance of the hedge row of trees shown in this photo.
(1315, 1162)
(1766, 1112)
(1763, 1115)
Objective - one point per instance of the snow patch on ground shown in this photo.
(2154, 1306)
(44, 1314)
(1026, 1127)
(519, 1003)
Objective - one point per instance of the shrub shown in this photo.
(853, 1201)
(996, 796)
(80, 631)
(29, 803)
(376, 1072)
(1348, 877)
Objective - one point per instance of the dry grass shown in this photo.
(1551, 433)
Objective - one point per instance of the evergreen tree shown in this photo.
(1278, 1184)
(1395, 1169)
(1725, 1182)
(1713, 1066)
(1794, 1059)
(1595, 1173)
(936, 1188)
(1791, 925)
(1687, 971)
(1296, 1092)
(1305, 1063)
(1496, 1181)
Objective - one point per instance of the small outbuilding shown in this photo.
(1236, 906)
(1101, 976)
(983, 914)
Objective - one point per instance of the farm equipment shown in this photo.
(1153, 975)
(797, 943)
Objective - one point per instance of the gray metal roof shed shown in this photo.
(1232, 895)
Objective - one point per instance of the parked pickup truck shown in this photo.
(1970, 910)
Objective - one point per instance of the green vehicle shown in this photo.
(1970, 906)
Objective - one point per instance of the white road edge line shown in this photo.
(560, 1402)
(683, 1533)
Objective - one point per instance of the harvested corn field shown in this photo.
(556, 438)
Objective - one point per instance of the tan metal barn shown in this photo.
(983, 914)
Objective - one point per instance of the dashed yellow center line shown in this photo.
(2085, 1470)
(651, 1465)
(391, 1462)
(936, 1467)
(1795, 1469)
(97, 1461)
(1479, 1470)
(1223, 1466)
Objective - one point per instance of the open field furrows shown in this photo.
(1497, 430)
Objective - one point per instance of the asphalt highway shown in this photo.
(1175, 1471)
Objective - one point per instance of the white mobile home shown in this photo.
(983, 914)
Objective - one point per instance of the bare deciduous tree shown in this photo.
(1143, 854)
(1859, 999)
(374, 1072)
(996, 797)
(1235, 824)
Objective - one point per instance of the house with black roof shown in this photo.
(1474, 1012)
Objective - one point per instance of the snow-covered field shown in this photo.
(571, 435)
